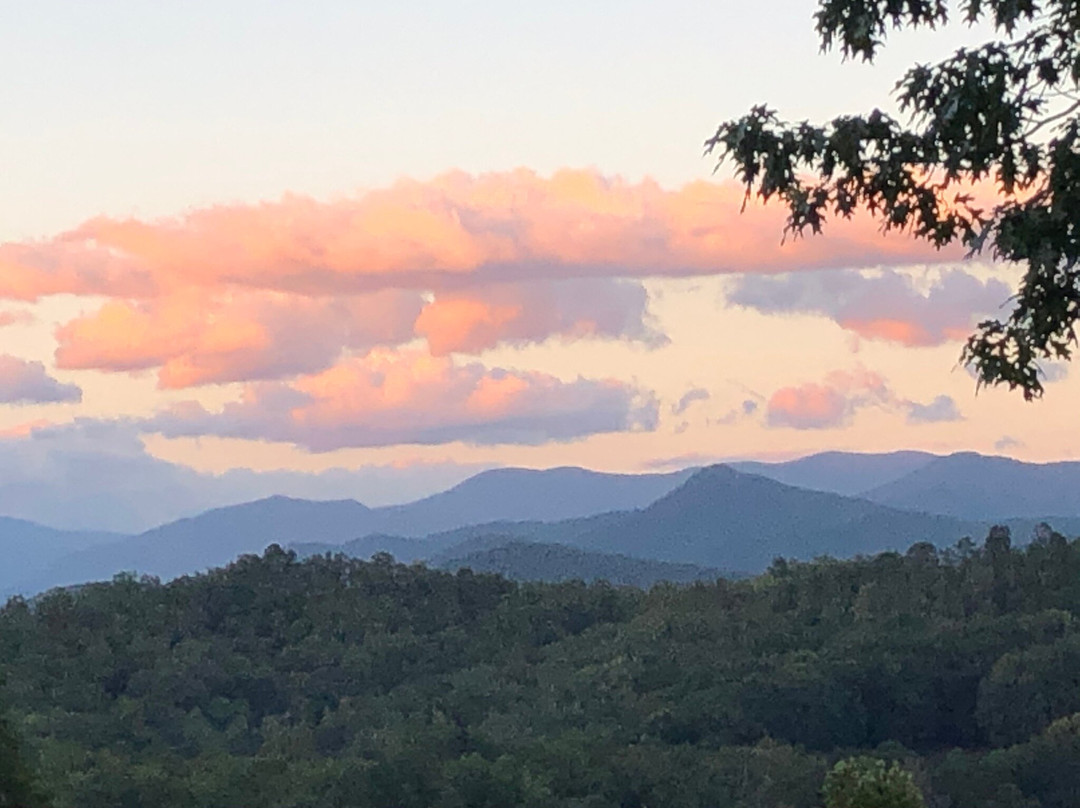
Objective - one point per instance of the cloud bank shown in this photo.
(388, 398)
(350, 323)
(455, 230)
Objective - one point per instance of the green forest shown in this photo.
(337, 682)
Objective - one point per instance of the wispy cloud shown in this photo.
(688, 398)
(942, 408)
(1006, 442)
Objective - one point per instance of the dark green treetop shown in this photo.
(1005, 112)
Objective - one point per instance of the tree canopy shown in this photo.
(18, 788)
(867, 782)
(332, 683)
(1005, 112)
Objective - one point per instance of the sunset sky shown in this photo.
(367, 249)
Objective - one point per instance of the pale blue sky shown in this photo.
(137, 108)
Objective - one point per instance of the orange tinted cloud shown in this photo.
(242, 336)
(456, 229)
(395, 397)
(193, 338)
(475, 319)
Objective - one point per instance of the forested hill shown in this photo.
(542, 561)
(335, 682)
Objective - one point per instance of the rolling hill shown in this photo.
(537, 561)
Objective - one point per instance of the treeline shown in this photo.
(335, 682)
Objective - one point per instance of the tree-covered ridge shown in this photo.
(335, 682)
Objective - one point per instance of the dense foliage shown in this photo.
(335, 682)
(1005, 112)
(18, 788)
(867, 782)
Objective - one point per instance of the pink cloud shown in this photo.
(454, 230)
(475, 319)
(809, 406)
(829, 404)
(888, 306)
(834, 402)
(24, 382)
(388, 398)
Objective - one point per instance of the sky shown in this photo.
(355, 249)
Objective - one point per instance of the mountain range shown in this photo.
(734, 518)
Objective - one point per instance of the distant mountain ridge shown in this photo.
(219, 535)
(733, 518)
(26, 547)
(719, 518)
(966, 485)
(849, 473)
(973, 486)
(518, 495)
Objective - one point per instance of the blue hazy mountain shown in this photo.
(730, 520)
(848, 473)
(716, 517)
(210, 539)
(965, 485)
(719, 518)
(26, 548)
(217, 536)
(974, 486)
(518, 495)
